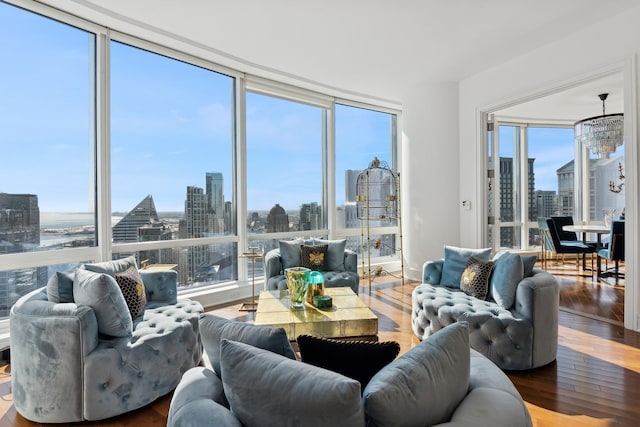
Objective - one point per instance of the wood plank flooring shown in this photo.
(595, 380)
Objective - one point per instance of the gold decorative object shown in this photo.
(297, 279)
(378, 202)
(254, 253)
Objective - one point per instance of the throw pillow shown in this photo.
(101, 292)
(359, 360)
(132, 288)
(335, 253)
(314, 256)
(528, 262)
(455, 261)
(214, 329)
(112, 267)
(264, 388)
(475, 278)
(290, 253)
(507, 273)
(60, 287)
(423, 386)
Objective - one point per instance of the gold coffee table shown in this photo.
(348, 317)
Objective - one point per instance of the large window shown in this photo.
(171, 162)
(162, 155)
(284, 166)
(361, 136)
(536, 176)
(47, 178)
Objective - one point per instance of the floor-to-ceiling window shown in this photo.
(362, 135)
(172, 164)
(47, 137)
(536, 175)
(113, 146)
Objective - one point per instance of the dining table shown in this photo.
(598, 230)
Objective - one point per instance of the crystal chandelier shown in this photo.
(602, 134)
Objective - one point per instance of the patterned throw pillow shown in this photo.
(475, 278)
(313, 257)
(132, 288)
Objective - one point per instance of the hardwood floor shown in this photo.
(595, 380)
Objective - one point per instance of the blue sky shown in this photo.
(171, 123)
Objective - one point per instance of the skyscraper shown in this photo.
(19, 219)
(143, 215)
(214, 187)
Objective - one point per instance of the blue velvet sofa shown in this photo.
(515, 326)
(73, 361)
(257, 381)
(341, 267)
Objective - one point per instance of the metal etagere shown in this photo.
(377, 204)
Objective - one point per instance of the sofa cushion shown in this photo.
(267, 389)
(132, 288)
(112, 267)
(335, 253)
(313, 257)
(291, 253)
(507, 273)
(101, 292)
(359, 360)
(528, 262)
(60, 287)
(424, 385)
(475, 277)
(455, 261)
(214, 329)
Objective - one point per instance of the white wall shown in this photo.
(611, 45)
(429, 175)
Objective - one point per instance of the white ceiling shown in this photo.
(377, 48)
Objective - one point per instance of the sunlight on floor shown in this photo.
(625, 356)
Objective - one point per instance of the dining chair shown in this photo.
(546, 245)
(563, 247)
(614, 250)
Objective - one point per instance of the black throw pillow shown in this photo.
(359, 360)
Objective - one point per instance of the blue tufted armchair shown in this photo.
(64, 370)
(341, 271)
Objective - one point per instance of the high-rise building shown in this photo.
(350, 185)
(143, 215)
(277, 220)
(508, 201)
(214, 187)
(196, 223)
(546, 203)
(19, 229)
(19, 219)
(310, 216)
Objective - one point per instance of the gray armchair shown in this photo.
(64, 370)
(342, 267)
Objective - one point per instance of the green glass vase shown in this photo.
(297, 280)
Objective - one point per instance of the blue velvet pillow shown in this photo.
(213, 329)
(291, 253)
(423, 386)
(102, 293)
(267, 389)
(112, 267)
(528, 261)
(60, 287)
(455, 261)
(335, 253)
(508, 271)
